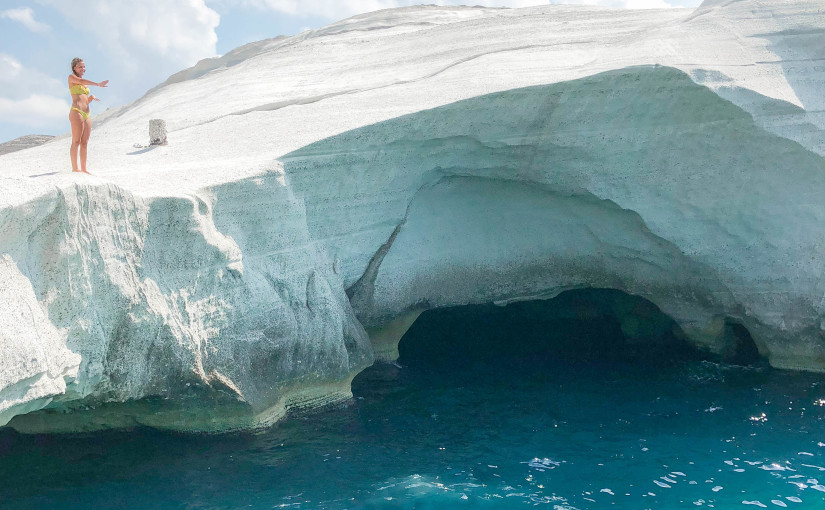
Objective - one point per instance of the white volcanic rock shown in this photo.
(416, 158)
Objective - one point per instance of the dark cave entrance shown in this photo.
(604, 336)
(587, 326)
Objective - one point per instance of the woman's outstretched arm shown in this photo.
(75, 80)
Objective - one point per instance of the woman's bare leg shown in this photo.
(77, 133)
(84, 142)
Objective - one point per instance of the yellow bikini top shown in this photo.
(79, 90)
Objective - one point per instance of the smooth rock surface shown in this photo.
(352, 176)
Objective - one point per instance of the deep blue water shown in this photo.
(479, 423)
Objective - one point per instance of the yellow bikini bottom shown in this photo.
(83, 114)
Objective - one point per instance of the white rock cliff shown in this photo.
(319, 191)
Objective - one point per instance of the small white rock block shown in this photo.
(157, 132)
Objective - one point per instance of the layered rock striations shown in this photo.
(320, 191)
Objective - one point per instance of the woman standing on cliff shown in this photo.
(79, 114)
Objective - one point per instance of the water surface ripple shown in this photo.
(495, 433)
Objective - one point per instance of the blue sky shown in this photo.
(137, 44)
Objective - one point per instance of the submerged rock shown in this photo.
(318, 192)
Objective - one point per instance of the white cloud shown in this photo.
(154, 37)
(37, 110)
(31, 98)
(25, 16)
(31, 80)
(11, 67)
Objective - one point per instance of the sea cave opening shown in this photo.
(602, 336)
(577, 326)
(592, 328)
(582, 347)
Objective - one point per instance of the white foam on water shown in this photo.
(775, 467)
(779, 503)
(661, 484)
(608, 491)
(542, 464)
(756, 503)
(793, 499)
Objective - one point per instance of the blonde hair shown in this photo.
(75, 61)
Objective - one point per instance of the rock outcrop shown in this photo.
(319, 192)
(24, 142)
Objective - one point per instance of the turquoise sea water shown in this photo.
(494, 419)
